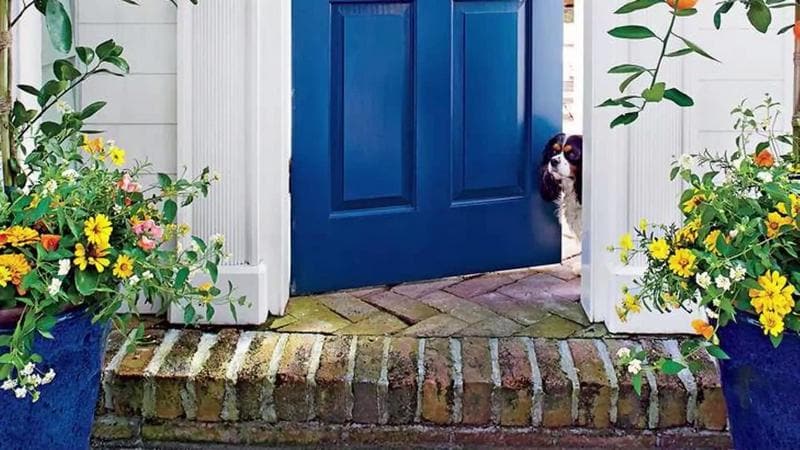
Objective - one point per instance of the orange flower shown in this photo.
(703, 328)
(50, 242)
(764, 158)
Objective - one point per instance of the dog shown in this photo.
(561, 178)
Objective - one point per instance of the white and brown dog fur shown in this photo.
(561, 178)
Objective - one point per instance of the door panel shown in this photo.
(417, 130)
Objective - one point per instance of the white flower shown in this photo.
(635, 366)
(217, 240)
(70, 174)
(9, 385)
(55, 287)
(63, 266)
(117, 209)
(20, 392)
(28, 369)
(49, 377)
(733, 233)
(686, 161)
(34, 380)
(703, 280)
(766, 177)
(711, 314)
(737, 273)
(133, 280)
(50, 187)
(723, 282)
(147, 275)
(63, 107)
(179, 248)
(623, 353)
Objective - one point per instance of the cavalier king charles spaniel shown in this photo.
(560, 172)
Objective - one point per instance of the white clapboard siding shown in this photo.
(628, 167)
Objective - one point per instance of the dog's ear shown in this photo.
(549, 187)
(573, 149)
(554, 145)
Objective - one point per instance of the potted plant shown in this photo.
(735, 253)
(80, 237)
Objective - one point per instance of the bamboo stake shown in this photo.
(796, 115)
(5, 91)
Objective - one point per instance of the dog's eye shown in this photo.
(557, 147)
(567, 148)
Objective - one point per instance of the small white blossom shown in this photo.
(686, 161)
(70, 174)
(34, 380)
(703, 280)
(635, 366)
(50, 187)
(133, 280)
(217, 240)
(711, 314)
(147, 275)
(63, 266)
(9, 385)
(179, 248)
(765, 177)
(55, 287)
(20, 392)
(723, 282)
(63, 107)
(623, 353)
(49, 377)
(28, 369)
(117, 209)
(737, 273)
(733, 233)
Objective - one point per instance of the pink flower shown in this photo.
(128, 185)
(146, 243)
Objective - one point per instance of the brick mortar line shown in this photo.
(420, 378)
(494, 359)
(383, 383)
(348, 378)
(230, 409)
(201, 355)
(611, 374)
(268, 412)
(568, 367)
(311, 376)
(536, 381)
(149, 388)
(458, 381)
(112, 367)
(652, 411)
(673, 349)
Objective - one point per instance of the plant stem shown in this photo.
(796, 114)
(665, 42)
(19, 16)
(5, 92)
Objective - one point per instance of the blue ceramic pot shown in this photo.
(62, 418)
(761, 386)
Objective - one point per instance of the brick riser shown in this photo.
(277, 388)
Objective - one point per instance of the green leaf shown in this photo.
(627, 68)
(776, 340)
(636, 5)
(85, 54)
(64, 70)
(685, 12)
(671, 367)
(723, 9)
(681, 52)
(696, 48)
(632, 32)
(655, 93)
(91, 110)
(624, 85)
(759, 15)
(170, 211)
(120, 63)
(625, 119)
(29, 89)
(717, 352)
(212, 270)
(59, 26)
(678, 97)
(180, 278)
(189, 314)
(105, 49)
(636, 381)
(86, 281)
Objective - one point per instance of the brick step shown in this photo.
(235, 387)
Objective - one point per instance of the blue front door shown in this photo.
(418, 126)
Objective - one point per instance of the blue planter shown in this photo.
(62, 418)
(761, 386)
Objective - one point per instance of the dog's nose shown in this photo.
(554, 162)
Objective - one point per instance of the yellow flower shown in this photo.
(17, 265)
(659, 249)
(688, 234)
(774, 296)
(682, 263)
(123, 267)
(117, 155)
(205, 289)
(626, 242)
(95, 256)
(5, 276)
(703, 328)
(631, 303)
(711, 241)
(692, 204)
(793, 210)
(772, 323)
(18, 236)
(93, 146)
(643, 224)
(774, 223)
(98, 230)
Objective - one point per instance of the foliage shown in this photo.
(673, 45)
(735, 253)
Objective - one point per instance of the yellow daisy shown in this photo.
(711, 241)
(123, 267)
(682, 263)
(692, 204)
(93, 146)
(659, 249)
(774, 223)
(5, 276)
(688, 234)
(772, 323)
(117, 155)
(95, 255)
(98, 230)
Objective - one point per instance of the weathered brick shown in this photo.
(510, 308)
(209, 384)
(419, 289)
(632, 409)
(712, 413)
(253, 378)
(127, 386)
(112, 428)
(442, 325)
(334, 393)
(113, 344)
(478, 384)
(672, 395)
(402, 376)
(437, 388)
(479, 285)
(368, 402)
(406, 308)
(170, 380)
(557, 388)
(457, 307)
(516, 392)
(378, 324)
(292, 393)
(348, 306)
(594, 404)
